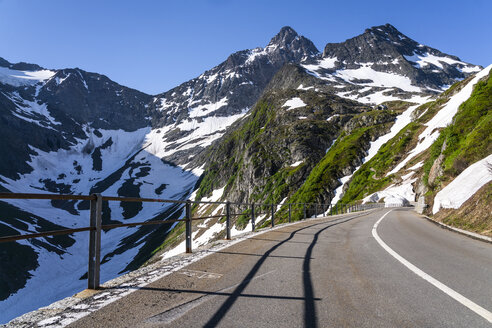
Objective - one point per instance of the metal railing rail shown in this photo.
(95, 220)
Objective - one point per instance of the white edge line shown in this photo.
(487, 315)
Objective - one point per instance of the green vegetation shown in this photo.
(371, 176)
(346, 152)
(230, 149)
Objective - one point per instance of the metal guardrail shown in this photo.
(95, 221)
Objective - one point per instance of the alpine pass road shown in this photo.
(383, 268)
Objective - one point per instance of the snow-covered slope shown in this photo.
(403, 191)
(443, 118)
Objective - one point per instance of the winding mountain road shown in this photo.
(384, 268)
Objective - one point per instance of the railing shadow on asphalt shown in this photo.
(212, 293)
(309, 308)
(290, 241)
(258, 255)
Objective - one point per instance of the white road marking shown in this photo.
(487, 315)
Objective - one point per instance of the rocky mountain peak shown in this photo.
(377, 41)
(385, 31)
(288, 39)
(284, 37)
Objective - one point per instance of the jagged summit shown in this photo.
(375, 41)
(288, 39)
(386, 29)
(285, 36)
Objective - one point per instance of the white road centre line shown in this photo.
(487, 315)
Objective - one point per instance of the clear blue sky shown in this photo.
(153, 46)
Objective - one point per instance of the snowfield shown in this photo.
(379, 79)
(19, 78)
(426, 59)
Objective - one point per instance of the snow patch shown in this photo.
(301, 87)
(325, 63)
(401, 121)
(294, 103)
(216, 194)
(423, 60)
(296, 163)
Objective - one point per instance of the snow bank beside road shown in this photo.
(464, 185)
(394, 195)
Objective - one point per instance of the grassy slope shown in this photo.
(371, 176)
(468, 139)
(346, 151)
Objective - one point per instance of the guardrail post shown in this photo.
(315, 210)
(93, 275)
(273, 216)
(305, 215)
(290, 212)
(228, 220)
(253, 217)
(189, 240)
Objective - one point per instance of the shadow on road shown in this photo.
(220, 293)
(309, 308)
(258, 255)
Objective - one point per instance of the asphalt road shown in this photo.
(323, 273)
